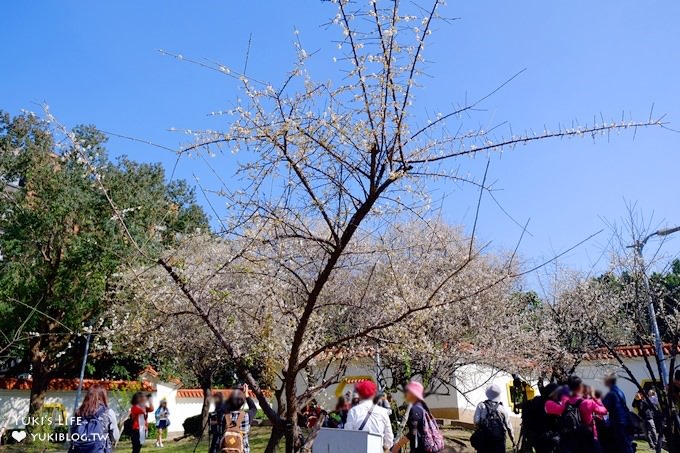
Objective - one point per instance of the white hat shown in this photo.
(493, 392)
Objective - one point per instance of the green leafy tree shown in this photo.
(60, 244)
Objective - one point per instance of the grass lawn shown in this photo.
(456, 439)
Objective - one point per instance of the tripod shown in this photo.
(200, 437)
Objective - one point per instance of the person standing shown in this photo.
(577, 418)
(368, 416)
(139, 412)
(620, 423)
(312, 413)
(540, 429)
(647, 413)
(492, 421)
(236, 420)
(162, 421)
(94, 423)
(216, 422)
(421, 429)
(342, 409)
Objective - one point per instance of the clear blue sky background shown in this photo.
(98, 62)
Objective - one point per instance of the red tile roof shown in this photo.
(72, 384)
(198, 393)
(150, 371)
(627, 352)
(189, 393)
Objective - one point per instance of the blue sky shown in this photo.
(98, 62)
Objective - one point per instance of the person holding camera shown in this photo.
(139, 412)
(232, 423)
(216, 421)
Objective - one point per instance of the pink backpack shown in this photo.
(433, 441)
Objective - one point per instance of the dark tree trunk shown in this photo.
(291, 415)
(40, 380)
(38, 392)
(205, 409)
(274, 439)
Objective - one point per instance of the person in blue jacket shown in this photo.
(620, 423)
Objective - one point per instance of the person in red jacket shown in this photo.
(139, 411)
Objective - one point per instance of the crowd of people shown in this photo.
(409, 427)
(568, 418)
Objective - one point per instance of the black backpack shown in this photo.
(570, 420)
(127, 427)
(493, 424)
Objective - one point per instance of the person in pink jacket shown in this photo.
(584, 440)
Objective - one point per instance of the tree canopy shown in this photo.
(60, 243)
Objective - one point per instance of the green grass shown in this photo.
(258, 441)
(457, 440)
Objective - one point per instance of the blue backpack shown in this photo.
(91, 435)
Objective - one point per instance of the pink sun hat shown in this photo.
(416, 389)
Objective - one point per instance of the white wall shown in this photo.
(182, 409)
(472, 382)
(14, 405)
(594, 372)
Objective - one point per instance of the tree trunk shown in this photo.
(205, 409)
(40, 380)
(274, 439)
(291, 430)
(38, 376)
(291, 414)
(38, 392)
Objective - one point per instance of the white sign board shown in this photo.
(332, 440)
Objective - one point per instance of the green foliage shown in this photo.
(61, 242)
(666, 287)
(260, 415)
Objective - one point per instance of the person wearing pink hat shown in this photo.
(368, 416)
(421, 428)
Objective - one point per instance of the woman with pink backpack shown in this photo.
(422, 433)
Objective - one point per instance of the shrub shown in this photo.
(153, 432)
(193, 425)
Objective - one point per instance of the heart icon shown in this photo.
(19, 435)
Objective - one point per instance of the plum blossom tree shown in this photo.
(329, 168)
(391, 289)
(580, 315)
(494, 332)
(588, 316)
(149, 327)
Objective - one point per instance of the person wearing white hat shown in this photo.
(492, 421)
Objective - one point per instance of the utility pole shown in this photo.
(654, 325)
(82, 369)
